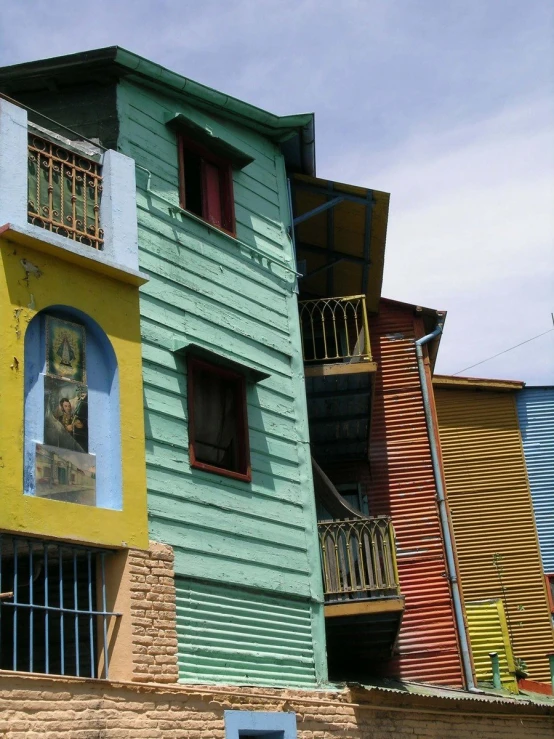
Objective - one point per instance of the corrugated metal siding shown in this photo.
(535, 407)
(403, 486)
(488, 632)
(491, 510)
(233, 635)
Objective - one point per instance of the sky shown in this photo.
(446, 104)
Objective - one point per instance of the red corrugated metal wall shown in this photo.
(402, 485)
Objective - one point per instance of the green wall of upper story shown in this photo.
(220, 293)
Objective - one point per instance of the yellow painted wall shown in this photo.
(114, 305)
(492, 515)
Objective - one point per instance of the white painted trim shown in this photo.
(64, 248)
(118, 209)
(13, 163)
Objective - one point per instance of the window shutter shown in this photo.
(211, 184)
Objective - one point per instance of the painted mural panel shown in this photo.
(65, 414)
(65, 349)
(65, 475)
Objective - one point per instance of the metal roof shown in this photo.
(113, 62)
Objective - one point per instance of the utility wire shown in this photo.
(504, 352)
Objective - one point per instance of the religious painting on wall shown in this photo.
(64, 475)
(65, 349)
(65, 414)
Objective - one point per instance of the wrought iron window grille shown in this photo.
(53, 607)
(64, 191)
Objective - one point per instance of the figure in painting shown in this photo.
(66, 415)
(65, 352)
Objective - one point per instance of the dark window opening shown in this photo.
(53, 616)
(206, 186)
(218, 425)
(192, 166)
(262, 734)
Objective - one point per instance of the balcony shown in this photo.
(67, 198)
(335, 331)
(363, 603)
(64, 192)
(339, 375)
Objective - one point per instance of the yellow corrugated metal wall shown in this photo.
(492, 516)
(488, 632)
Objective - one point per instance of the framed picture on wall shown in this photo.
(65, 349)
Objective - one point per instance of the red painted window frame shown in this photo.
(194, 364)
(549, 579)
(226, 196)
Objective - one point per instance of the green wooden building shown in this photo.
(228, 462)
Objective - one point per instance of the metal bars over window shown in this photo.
(53, 608)
(335, 329)
(64, 191)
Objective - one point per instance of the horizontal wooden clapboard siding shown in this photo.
(208, 289)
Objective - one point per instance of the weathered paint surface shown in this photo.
(242, 635)
(492, 516)
(488, 632)
(211, 290)
(535, 406)
(114, 306)
(402, 485)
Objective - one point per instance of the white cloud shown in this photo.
(471, 230)
(426, 100)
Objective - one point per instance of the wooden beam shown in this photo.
(339, 368)
(365, 607)
(452, 382)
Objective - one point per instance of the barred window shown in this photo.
(53, 607)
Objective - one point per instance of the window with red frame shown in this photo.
(206, 185)
(218, 423)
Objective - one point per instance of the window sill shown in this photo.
(243, 477)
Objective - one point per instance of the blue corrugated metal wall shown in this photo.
(536, 419)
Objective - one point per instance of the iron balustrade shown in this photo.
(358, 559)
(64, 192)
(335, 329)
(53, 607)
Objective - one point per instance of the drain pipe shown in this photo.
(441, 499)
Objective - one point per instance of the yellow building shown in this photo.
(492, 515)
(72, 448)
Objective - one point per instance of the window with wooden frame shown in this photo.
(206, 185)
(218, 422)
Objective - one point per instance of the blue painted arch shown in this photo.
(104, 437)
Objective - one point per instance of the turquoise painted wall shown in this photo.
(212, 290)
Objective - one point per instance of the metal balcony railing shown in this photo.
(335, 329)
(358, 559)
(64, 191)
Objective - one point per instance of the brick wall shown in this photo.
(34, 707)
(152, 614)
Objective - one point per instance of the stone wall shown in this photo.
(33, 707)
